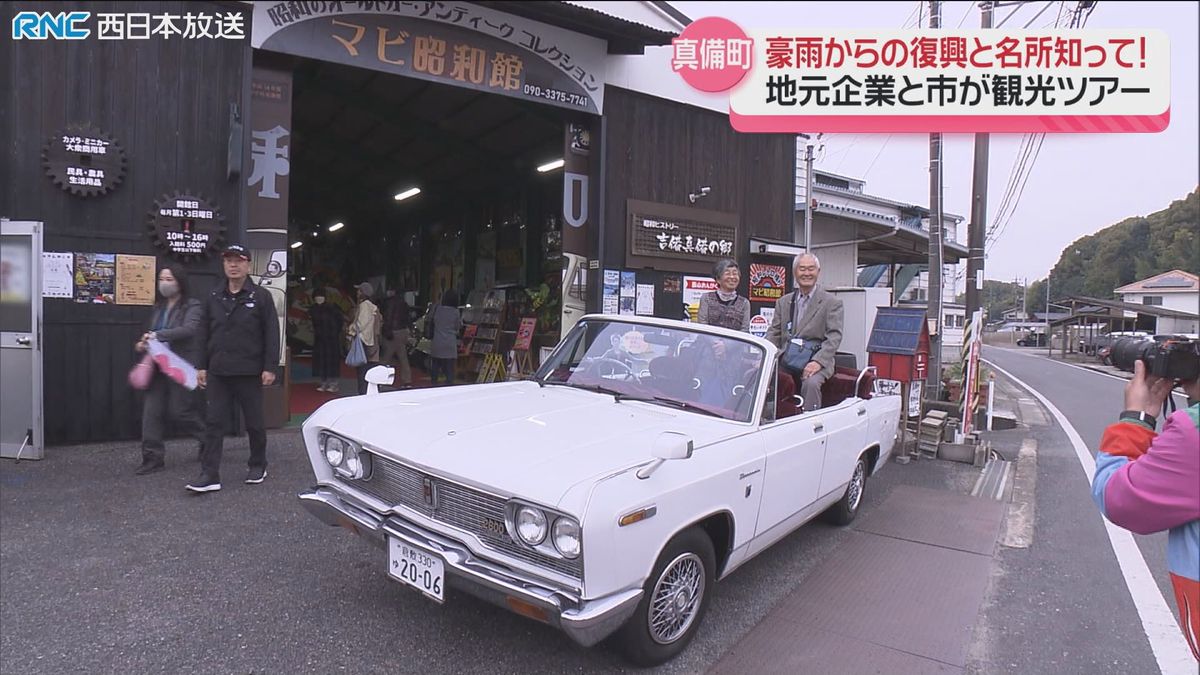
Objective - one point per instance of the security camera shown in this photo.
(701, 191)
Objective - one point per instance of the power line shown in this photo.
(1017, 167)
(964, 17)
(872, 165)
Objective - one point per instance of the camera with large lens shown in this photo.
(1173, 359)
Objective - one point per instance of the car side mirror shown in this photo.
(379, 375)
(668, 446)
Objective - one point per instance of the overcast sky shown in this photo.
(1080, 183)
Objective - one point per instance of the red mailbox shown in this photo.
(899, 344)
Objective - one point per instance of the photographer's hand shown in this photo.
(1146, 392)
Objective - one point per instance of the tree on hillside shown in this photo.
(1133, 249)
(997, 296)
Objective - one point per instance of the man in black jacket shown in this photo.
(241, 353)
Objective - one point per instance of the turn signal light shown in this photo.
(527, 609)
(637, 516)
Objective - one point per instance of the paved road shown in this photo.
(1061, 605)
(103, 571)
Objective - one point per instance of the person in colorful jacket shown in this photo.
(1147, 482)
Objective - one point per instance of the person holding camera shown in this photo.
(1149, 482)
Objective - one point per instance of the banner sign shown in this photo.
(465, 45)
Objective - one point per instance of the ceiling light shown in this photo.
(336, 226)
(297, 244)
(303, 278)
(411, 192)
(556, 164)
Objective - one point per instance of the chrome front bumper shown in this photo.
(584, 621)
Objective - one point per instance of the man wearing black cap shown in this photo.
(239, 360)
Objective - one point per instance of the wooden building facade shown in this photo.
(177, 108)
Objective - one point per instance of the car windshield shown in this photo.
(673, 367)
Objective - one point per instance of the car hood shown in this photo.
(519, 439)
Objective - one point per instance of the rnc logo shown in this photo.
(43, 25)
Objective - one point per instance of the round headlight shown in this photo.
(531, 525)
(334, 450)
(566, 537)
(353, 466)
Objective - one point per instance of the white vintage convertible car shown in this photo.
(645, 460)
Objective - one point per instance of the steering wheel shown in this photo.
(629, 371)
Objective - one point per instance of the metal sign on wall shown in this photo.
(463, 45)
(84, 161)
(767, 282)
(693, 238)
(186, 226)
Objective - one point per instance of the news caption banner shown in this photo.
(889, 81)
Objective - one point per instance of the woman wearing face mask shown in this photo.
(176, 321)
(724, 307)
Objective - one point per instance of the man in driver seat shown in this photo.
(811, 318)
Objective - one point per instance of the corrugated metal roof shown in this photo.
(623, 36)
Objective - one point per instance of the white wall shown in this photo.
(1180, 302)
(839, 264)
(1186, 326)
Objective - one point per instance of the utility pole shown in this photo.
(979, 185)
(808, 181)
(933, 386)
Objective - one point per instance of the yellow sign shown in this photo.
(135, 279)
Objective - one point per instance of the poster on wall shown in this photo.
(57, 278)
(645, 299)
(672, 284)
(95, 278)
(135, 280)
(694, 288)
(627, 306)
(628, 284)
(767, 282)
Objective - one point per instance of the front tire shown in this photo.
(674, 600)
(843, 512)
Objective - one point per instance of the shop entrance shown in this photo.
(420, 188)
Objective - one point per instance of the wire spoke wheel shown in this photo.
(856, 485)
(677, 598)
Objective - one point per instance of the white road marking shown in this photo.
(1176, 394)
(1158, 621)
(1018, 526)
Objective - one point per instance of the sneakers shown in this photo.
(321, 387)
(334, 388)
(204, 484)
(256, 476)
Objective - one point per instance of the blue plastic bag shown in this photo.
(357, 356)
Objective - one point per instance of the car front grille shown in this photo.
(474, 511)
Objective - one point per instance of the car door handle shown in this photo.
(862, 411)
(818, 428)
(23, 341)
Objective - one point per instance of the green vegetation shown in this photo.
(1131, 250)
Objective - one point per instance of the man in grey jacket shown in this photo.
(809, 313)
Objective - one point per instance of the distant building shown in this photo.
(1177, 290)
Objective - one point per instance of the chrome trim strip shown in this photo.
(584, 621)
